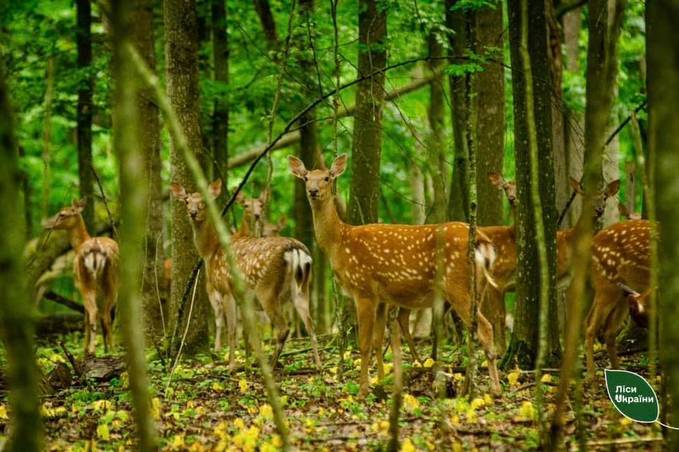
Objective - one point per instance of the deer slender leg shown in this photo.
(604, 301)
(229, 311)
(378, 337)
(301, 303)
(107, 318)
(91, 314)
(404, 322)
(216, 302)
(615, 320)
(365, 312)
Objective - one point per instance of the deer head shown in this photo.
(274, 229)
(66, 218)
(599, 202)
(318, 182)
(254, 210)
(509, 187)
(195, 204)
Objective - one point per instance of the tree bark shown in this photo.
(220, 109)
(84, 107)
(133, 202)
(438, 167)
(266, 18)
(16, 324)
(524, 342)
(367, 135)
(490, 132)
(663, 71)
(460, 22)
(149, 146)
(181, 56)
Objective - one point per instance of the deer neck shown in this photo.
(327, 224)
(205, 238)
(78, 234)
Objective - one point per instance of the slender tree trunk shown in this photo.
(84, 108)
(438, 167)
(460, 22)
(367, 136)
(133, 202)
(266, 18)
(149, 144)
(220, 109)
(181, 57)
(15, 308)
(490, 133)
(601, 72)
(663, 71)
(524, 343)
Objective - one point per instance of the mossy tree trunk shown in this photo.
(524, 342)
(16, 324)
(663, 72)
(181, 59)
(367, 136)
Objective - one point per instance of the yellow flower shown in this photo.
(407, 446)
(527, 411)
(243, 386)
(177, 442)
(513, 377)
(478, 403)
(428, 363)
(239, 424)
(410, 403)
(100, 405)
(546, 378)
(217, 386)
(103, 432)
(155, 408)
(265, 411)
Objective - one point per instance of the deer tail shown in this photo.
(95, 258)
(299, 267)
(485, 256)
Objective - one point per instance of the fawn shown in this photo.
(620, 265)
(275, 269)
(396, 264)
(95, 267)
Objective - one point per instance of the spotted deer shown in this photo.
(638, 304)
(620, 264)
(276, 269)
(396, 264)
(95, 266)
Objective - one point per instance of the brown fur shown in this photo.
(395, 264)
(95, 267)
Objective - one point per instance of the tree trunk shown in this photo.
(663, 72)
(16, 324)
(149, 146)
(266, 18)
(438, 167)
(524, 343)
(220, 109)
(133, 203)
(181, 56)
(84, 108)
(490, 132)
(364, 195)
(458, 204)
(601, 72)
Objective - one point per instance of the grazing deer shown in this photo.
(95, 267)
(620, 257)
(396, 264)
(275, 269)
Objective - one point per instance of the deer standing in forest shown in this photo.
(621, 275)
(396, 264)
(275, 269)
(95, 267)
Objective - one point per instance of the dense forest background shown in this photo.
(427, 97)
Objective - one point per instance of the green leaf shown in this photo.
(632, 395)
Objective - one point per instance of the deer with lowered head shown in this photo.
(95, 267)
(276, 269)
(396, 264)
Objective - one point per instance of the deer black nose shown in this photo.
(313, 192)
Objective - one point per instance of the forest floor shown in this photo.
(206, 407)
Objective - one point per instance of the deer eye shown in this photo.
(326, 178)
(306, 179)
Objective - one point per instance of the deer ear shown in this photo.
(576, 186)
(339, 165)
(264, 196)
(297, 167)
(495, 179)
(79, 205)
(215, 188)
(178, 191)
(612, 188)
